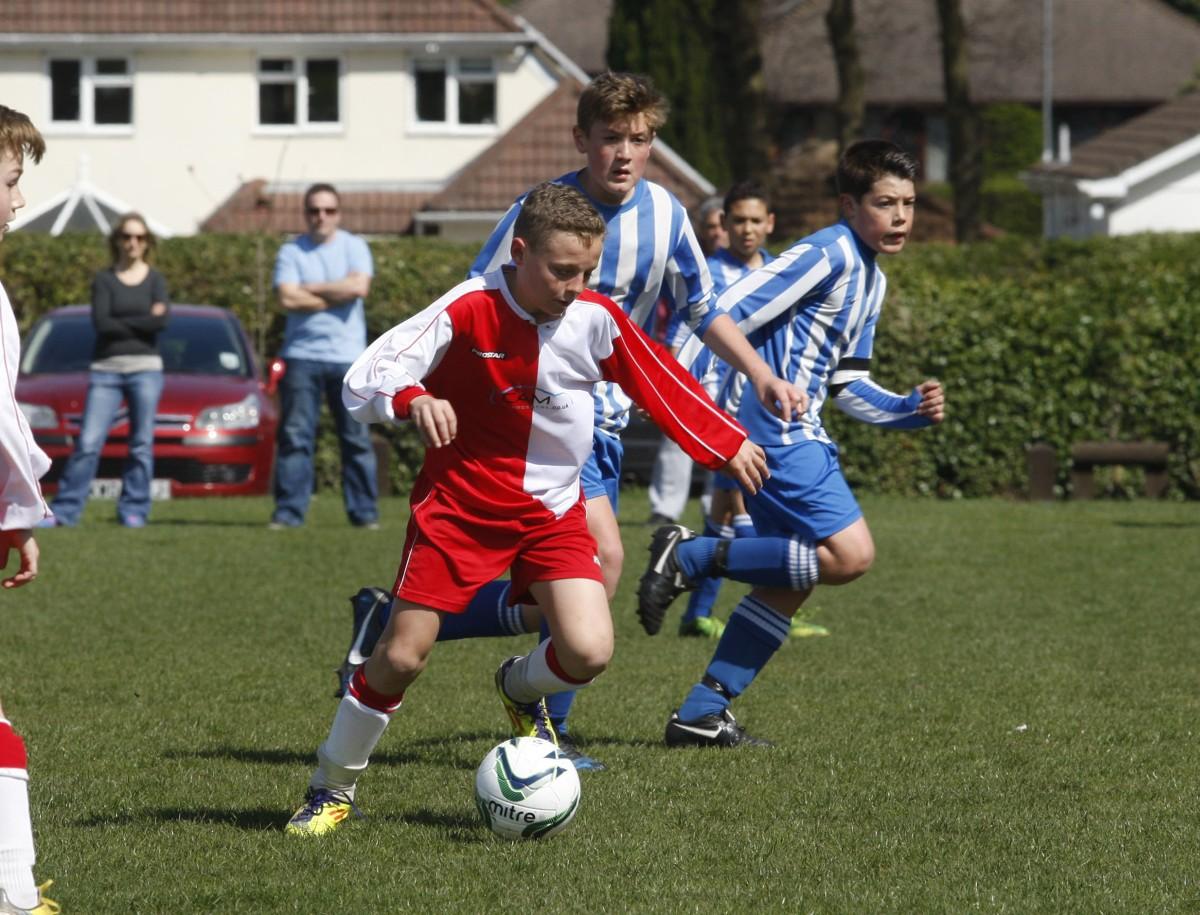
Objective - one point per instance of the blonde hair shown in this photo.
(18, 137)
(551, 208)
(619, 96)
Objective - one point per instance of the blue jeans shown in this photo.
(301, 390)
(106, 390)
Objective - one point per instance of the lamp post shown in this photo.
(1047, 80)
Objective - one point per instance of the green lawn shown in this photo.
(1003, 720)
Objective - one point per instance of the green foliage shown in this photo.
(708, 64)
(1002, 720)
(1012, 139)
(1188, 7)
(1009, 205)
(1056, 342)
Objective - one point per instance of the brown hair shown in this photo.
(865, 162)
(19, 137)
(114, 236)
(619, 96)
(321, 187)
(551, 208)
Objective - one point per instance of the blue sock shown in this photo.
(488, 614)
(707, 588)
(743, 527)
(752, 636)
(780, 562)
(558, 705)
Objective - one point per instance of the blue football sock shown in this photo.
(752, 636)
(743, 527)
(558, 705)
(488, 614)
(701, 601)
(779, 562)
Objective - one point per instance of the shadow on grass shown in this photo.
(256, 820)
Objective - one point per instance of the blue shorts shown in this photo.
(601, 473)
(806, 494)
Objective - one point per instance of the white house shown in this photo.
(1143, 176)
(188, 111)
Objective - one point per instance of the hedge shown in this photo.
(1035, 341)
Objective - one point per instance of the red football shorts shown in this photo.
(452, 550)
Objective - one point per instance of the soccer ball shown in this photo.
(526, 789)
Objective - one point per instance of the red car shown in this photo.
(215, 425)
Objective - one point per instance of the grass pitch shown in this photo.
(1003, 720)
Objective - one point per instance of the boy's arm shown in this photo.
(678, 404)
(383, 382)
(867, 402)
(781, 397)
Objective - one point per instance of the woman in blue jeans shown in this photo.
(129, 309)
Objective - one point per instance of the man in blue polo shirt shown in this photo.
(321, 279)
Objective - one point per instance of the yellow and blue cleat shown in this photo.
(528, 719)
(44, 906)
(323, 811)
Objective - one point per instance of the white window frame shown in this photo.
(454, 76)
(89, 82)
(299, 77)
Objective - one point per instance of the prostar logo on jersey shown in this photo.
(488, 354)
(528, 397)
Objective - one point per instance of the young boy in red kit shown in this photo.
(497, 375)
(22, 464)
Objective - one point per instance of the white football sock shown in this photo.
(16, 828)
(343, 756)
(530, 677)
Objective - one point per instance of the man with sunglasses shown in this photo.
(321, 279)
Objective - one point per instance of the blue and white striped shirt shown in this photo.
(650, 252)
(811, 314)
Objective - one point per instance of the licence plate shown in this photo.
(111, 489)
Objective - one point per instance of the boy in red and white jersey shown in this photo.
(498, 376)
(22, 464)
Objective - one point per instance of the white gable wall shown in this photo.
(195, 136)
(1166, 202)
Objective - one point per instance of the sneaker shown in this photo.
(710, 731)
(529, 719)
(705, 627)
(368, 607)
(134, 521)
(44, 907)
(366, 525)
(580, 760)
(662, 581)
(276, 525)
(803, 629)
(323, 811)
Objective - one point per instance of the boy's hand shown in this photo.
(748, 466)
(22, 541)
(782, 398)
(435, 420)
(933, 401)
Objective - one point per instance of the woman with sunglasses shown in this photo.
(129, 309)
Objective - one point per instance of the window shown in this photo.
(297, 92)
(91, 91)
(455, 92)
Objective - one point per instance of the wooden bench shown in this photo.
(1086, 456)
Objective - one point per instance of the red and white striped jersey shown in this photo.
(522, 392)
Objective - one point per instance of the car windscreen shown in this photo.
(190, 345)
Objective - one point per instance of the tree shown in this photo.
(851, 101)
(966, 173)
(704, 56)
